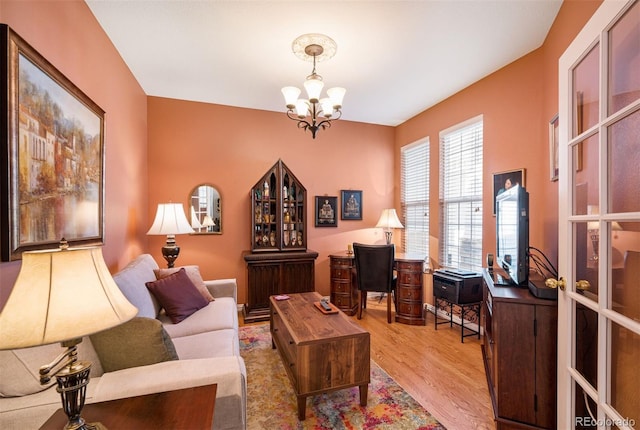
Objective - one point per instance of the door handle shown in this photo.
(555, 283)
(583, 285)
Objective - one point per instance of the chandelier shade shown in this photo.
(314, 113)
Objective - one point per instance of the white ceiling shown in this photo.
(395, 58)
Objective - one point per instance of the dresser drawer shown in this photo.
(410, 278)
(406, 293)
(341, 300)
(341, 273)
(340, 287)
(410, 309)
(409, 266)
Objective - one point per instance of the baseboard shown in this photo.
(456, 319)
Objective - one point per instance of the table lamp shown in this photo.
(61, 295)
(388, 221)
(208, 223)
(170, 220)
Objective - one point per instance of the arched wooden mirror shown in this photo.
(206, 211)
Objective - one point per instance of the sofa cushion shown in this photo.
(177, 295)
(216, 343)
(193, 272)
(131, 281)
(138, 342)
(218, 315)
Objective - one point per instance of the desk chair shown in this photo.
(374, 268)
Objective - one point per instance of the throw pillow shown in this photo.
(177, 295)
(138, 342)
(193, 272)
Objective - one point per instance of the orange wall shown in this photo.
(517, 102)
(158, 149)
(67, 34)
(231, 148)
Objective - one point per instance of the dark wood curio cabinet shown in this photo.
(278, 204)
(279, 261)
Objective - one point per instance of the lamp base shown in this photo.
(170, 253)
(388, 235)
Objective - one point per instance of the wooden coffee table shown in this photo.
(321, 353)
(189, 408)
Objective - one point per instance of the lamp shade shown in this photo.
(389, 219)
(194, 219)
(208, 221)
(170, 219)
(290, 96)
(61, 295)
(336, 94)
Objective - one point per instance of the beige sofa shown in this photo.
(206, 344)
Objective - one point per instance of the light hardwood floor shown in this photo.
(444, 375)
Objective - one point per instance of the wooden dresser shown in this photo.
(410, 292)
(344, 288)
(519, 352)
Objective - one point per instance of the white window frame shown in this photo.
(461, 149)
(414, 196)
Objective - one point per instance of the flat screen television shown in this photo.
(512, 234)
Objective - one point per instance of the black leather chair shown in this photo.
(374, 268)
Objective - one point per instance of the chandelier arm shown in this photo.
(290, 112)
(324, 124)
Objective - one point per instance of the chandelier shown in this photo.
(314, 113)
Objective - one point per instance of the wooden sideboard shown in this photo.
(273, 273)
(410, 292)
(519, 352)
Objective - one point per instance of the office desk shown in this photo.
(410, 294)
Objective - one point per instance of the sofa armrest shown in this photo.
(223, 288)
(228, 372)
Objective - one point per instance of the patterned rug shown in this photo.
(272, 402)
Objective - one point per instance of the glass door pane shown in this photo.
(624, 49)
(586, 78)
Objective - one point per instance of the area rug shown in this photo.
(271, 402)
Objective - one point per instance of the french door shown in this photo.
(599, 222)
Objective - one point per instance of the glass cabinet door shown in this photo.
(278, 211)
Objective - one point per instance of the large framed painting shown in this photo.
(351, 204)
(502, 181)
(52, 163)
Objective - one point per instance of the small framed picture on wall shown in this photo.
(326, 211)
(553, 148)
(351, 203)
(502, 181)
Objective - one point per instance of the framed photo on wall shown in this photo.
(326, 211)
(502, 181)
(53, 178)
(351, 204)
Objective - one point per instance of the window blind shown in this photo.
(415, 197)
(461, 196)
